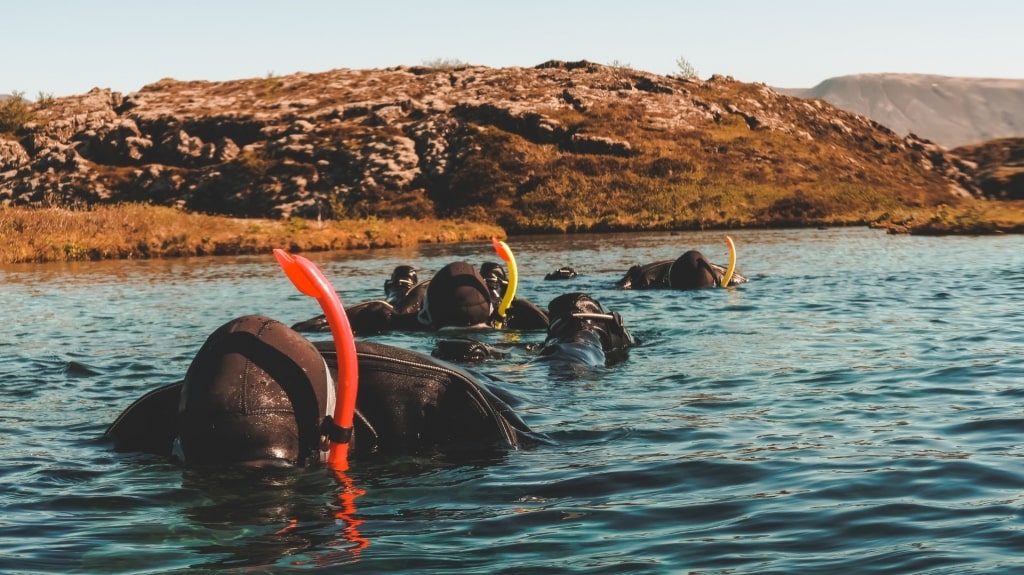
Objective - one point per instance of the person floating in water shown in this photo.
(458, 295)
(258, 392)
(582, 333)
(403, 280)
(562, 273)
(689, 271)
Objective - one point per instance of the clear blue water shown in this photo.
(855, 408)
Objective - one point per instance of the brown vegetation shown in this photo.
(138, 231)
(979, 218)
(1000, 171)
(15, 112)
(395, 156)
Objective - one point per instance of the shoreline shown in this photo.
(135, 231)
(138, 231)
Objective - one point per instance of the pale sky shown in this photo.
(64, 47)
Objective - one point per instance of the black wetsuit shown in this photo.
(258, 391)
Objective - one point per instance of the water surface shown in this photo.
(855, 408)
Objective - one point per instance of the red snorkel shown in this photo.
(310, 280)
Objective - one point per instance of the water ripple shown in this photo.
(856, 408)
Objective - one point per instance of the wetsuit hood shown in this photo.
(692, 271)
(256, 391)
(457, 296)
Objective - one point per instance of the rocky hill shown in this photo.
(949, 111)
(560, 146)
(1000, 167)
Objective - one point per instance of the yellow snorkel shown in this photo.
(505, 253)
(732, 263)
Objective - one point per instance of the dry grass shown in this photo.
(689, 176)
(139, 231)
(530, 188)
(980, 218)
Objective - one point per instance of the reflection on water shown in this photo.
(855, 408)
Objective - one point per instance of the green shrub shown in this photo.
(445, 63)
(45, 99)
(15, 112)
(684, 69)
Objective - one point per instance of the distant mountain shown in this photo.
(949, 111)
